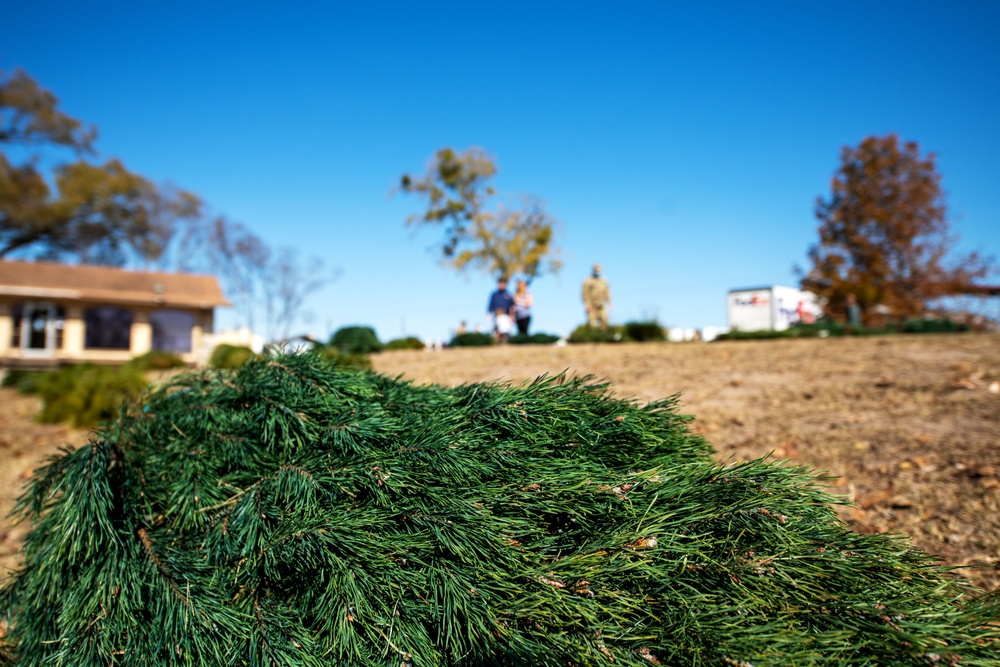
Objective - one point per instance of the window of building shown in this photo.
(171, 330)
(107, 328)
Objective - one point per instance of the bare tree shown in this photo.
(290, 280)
(268, 287)
(240, 259)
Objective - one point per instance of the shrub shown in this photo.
(472, 339)
(647, 331)
(157, 360)
(408, 343)
(917, 325)
(356, 340)
(230, 356)
(588, 334)
(762, 334)
(87, 395)
(25, 382)
(828, 328)
(533, 339)
(334, 357)
(296, 513)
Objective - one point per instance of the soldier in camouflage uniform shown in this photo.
(596, 299)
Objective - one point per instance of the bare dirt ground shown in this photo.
(24, 445)
(908, 426)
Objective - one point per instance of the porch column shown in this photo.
(73, 332)
(141, 340)
(6, 328)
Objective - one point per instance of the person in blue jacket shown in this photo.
(500, 300)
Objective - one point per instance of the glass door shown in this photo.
(39, 329)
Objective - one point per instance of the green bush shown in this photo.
(356, 340)
(918, 325)
(764, 334)
(300, 514)
(25, 382)
(533, 339)
(647, 331)
(334, 357)
(408, 343)
(588, 334)
(87, 395)
(826, 328)
(472, 339)
(157, 360)
(230, 356)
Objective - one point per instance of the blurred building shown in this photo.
(52, 314)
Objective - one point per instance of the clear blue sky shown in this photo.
(682, 145)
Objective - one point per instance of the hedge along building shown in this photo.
(52, 314)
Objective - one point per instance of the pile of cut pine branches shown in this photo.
(295, 513)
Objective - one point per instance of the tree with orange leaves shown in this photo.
(884, 237)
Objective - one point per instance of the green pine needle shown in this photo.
(296, 513)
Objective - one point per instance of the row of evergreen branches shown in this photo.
(294, 513)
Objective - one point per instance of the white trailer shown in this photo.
(770, 308)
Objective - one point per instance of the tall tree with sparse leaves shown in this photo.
(106, 214)
(884, 234)
(98, 213)
(480, 234)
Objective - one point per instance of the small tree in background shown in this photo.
(481, 235)
(356, 339)
(645, 330)
(883, 234)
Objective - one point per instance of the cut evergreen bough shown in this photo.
(295, 513)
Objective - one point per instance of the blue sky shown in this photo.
(682, 145)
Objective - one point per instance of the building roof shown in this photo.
(42, 280)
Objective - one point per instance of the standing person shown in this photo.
(522, 307)
(596, 299)
(853, 311)
(500, 300)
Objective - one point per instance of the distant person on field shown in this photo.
(522, 307)
(596, 299)
(500, 300)
(461, 328)
(853, 311)
(503, 326)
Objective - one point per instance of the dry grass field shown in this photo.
(908, 427)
